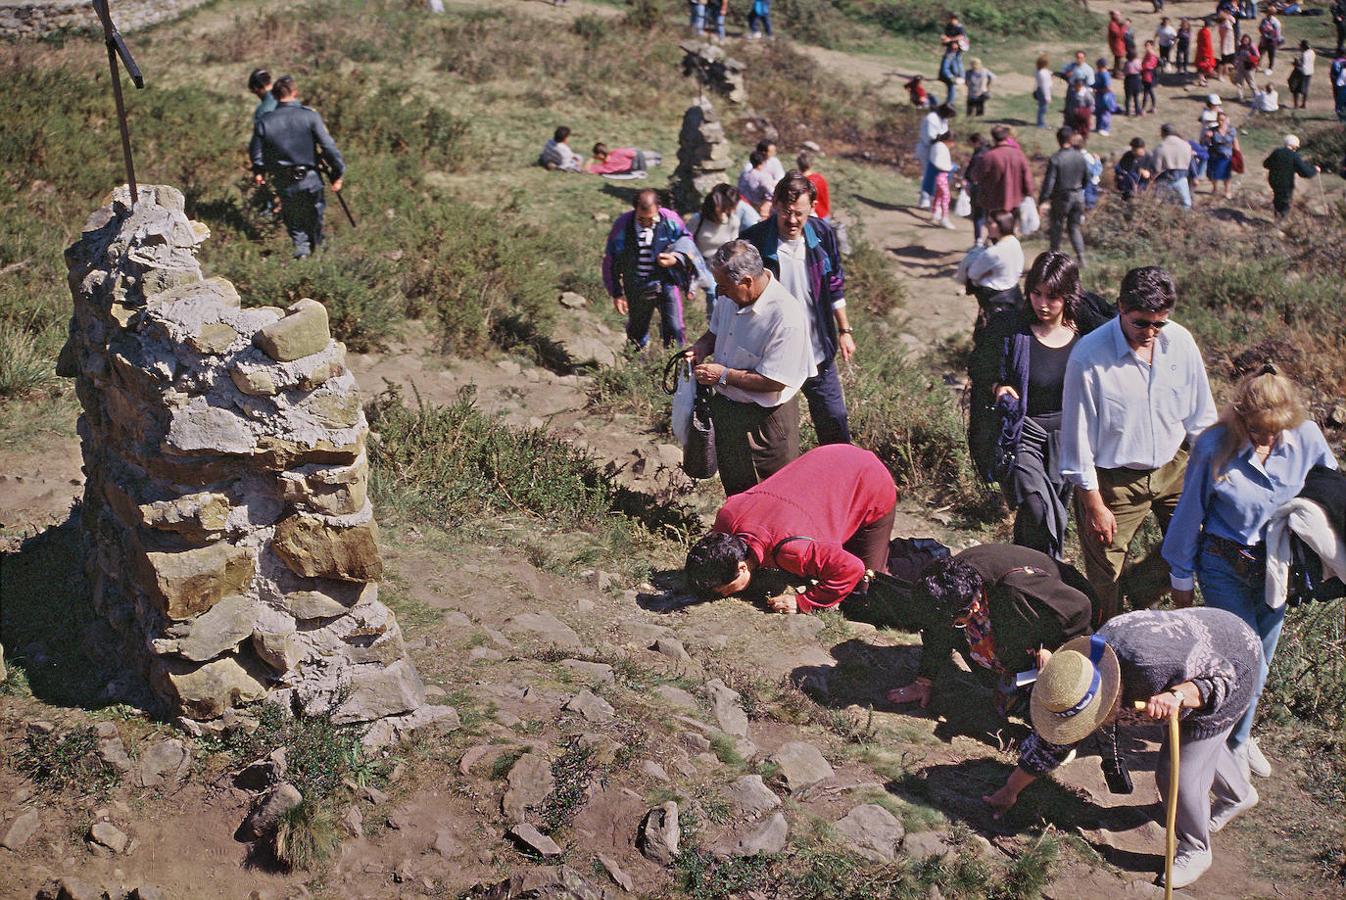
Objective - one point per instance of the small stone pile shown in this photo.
(229, 536)
(720, 74)
(703, 156)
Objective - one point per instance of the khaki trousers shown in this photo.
(1131, 495)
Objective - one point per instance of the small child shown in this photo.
(916, 91)
(941, 158)
(1105, 104)
(978, 87)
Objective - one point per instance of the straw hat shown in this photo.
(1068, 704)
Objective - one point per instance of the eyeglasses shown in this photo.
(1155, 324)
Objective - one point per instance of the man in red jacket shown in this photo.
(827, 516)
(1001, 174)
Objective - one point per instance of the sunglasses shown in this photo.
(1148, 323)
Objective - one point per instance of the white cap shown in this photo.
(1214, 100)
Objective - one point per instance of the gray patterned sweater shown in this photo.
(1158, 649)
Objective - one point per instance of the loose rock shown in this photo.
(725, 703)
(872, 831)
(615, 872)
(20, 830)
(530, 781)
(263, 820)
(590, 672)
(801, 765)
(659, 833)
(535, 840)
(765, 837)
(751, 797)
(107, 836)
(165, 761)
(591, 706)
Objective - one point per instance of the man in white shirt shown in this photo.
(1135, 390)
(759, 339)
(803, 253)
(772, 167)
(995, 271)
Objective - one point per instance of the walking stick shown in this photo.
(1171, 835)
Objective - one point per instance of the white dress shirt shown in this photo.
(794, 277)
(1121, 413)
(999, 266)
(769, 337)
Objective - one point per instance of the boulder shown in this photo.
(801, 765)
(315, 549)
(591, 707)
(767, 836)
(726, 705)
(217, 630)
(871, 831)
(534, 840)
(23, 827)
(529, 782)
(108, 837)
(205, 691)
(751, 797)
(264, 818)
(165, 761)
(542, 626)
(188, 582)
(659, 833)
(303, 331)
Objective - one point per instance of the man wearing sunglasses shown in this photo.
(1135, 391)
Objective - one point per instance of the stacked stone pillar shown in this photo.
(229, 535)
(703, 157)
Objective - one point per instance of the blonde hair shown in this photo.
(975, 62)
(1043, 61)
(1264, 401)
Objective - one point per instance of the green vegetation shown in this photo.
(66, 762)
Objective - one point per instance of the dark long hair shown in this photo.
(1055, 274)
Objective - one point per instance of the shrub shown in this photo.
(986, 20)
(66, 762)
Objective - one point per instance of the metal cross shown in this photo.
(116, 47)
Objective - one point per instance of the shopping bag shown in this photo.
(698, 454)
(682, 388)
(1029, 221)
(963, 205)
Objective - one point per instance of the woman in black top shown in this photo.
(1028, 399)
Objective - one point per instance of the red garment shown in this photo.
(1205, 51)
(826, 495)
(822, 207)
(1003, 178)
(620, 160)
(1148, 64)
(1117, 38)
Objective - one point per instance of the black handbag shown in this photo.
(698, 454)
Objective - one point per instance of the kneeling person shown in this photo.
(1003, 606)
(827, 516)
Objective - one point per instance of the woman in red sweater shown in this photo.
(827, 517)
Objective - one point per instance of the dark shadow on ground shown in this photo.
(956, 789)
(68, 653)
(879, 204)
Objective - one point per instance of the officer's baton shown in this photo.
(323, 169)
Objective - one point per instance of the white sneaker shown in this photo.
(924, 204)
(1257, 763)
(949, 225)
(1188, 866)
(1228, 812)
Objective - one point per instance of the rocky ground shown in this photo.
(610, 733)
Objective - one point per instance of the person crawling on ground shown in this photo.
(826, 517)
(620, 160)
(1004, 608)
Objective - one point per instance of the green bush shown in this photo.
(454, 462)
(986, 20)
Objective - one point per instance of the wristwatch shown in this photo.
(724, 377)
(846, 330)
(1177, 692)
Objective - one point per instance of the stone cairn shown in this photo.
(229, 535)
(703, 150)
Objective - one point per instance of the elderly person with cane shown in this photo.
(1202, 664)
(1242, 469)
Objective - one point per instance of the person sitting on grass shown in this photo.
(916, 92)
(1004, 608)
(827, 516)
(556, 154)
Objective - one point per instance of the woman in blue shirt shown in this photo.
(1242, 469)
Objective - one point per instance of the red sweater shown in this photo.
(822, 207)
(826, 495)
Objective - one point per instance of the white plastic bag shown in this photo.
(963, 205)
(1029, 222)
(684, 397)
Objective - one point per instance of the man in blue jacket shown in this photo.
(645, 267)
(286, 144)
(802, 253)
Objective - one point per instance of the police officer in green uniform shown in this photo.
(285, 145)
